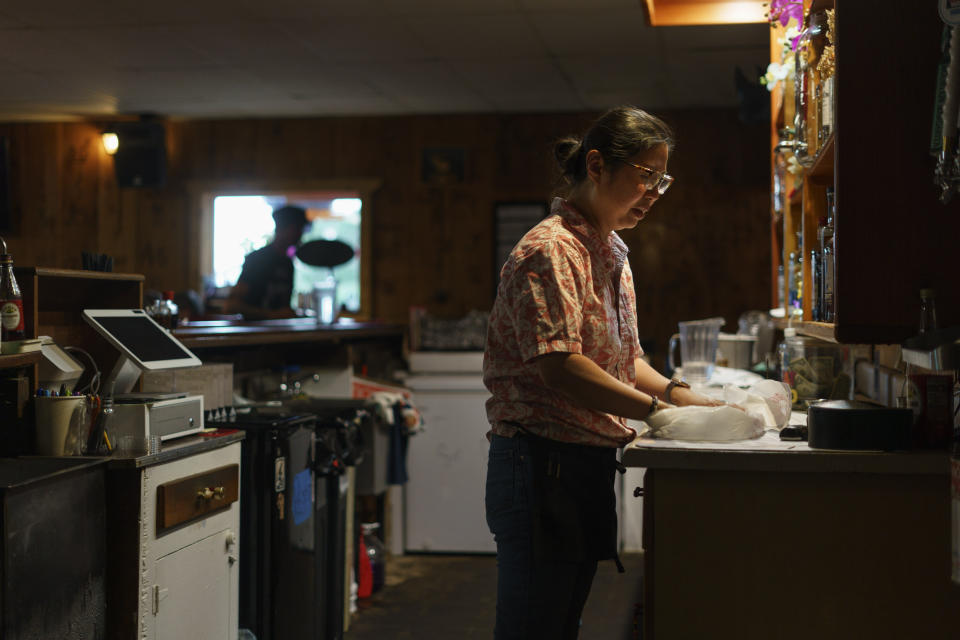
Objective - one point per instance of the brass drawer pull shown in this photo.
(208, 494)
(187, 499)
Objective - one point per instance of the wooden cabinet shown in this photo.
(892, 234)
(174, 528)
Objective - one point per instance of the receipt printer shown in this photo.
(168, 415)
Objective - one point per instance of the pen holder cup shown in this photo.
(54, 417)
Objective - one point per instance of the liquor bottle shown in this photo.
(928, 311)
(792, 269)
(817, 40)
(798, 304)
(828, 260)
(816, 285)
(11, 302)
(173, 310)
(801, 99)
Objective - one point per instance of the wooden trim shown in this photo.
(15, 360)
(47, 272)
(187, 499)
(651, 12)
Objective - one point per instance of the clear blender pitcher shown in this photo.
(698, 348)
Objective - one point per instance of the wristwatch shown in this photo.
(671, 385)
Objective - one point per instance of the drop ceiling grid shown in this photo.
(290, 57)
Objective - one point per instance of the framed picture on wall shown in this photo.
(442, 165)
(510, 221)
(6, 215)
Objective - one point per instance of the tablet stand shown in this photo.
(123, 377)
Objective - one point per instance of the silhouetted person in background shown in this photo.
(265, 285)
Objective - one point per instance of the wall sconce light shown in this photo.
(111, 142)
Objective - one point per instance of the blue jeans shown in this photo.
(536, 597)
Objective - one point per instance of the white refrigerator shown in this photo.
(447, 461)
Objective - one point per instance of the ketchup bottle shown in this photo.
(11, 302)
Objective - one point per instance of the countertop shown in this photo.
(225, 333)
(769, 453)
(176, 449)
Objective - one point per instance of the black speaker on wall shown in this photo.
(141, 158)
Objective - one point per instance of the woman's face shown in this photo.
(621, 197)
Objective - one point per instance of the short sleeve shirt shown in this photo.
(562, 289)
(269, 278)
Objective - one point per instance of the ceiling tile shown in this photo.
(601, 73)
(616, 30)
(9, 22)
(311, 9)
(525, 83)
(421, 86)
(446, 7)
(26, 93)
(245, 43)
(132, 48)
(68, 14)
(384, 39)
(713, 37)
(41, 51)
(173, 12)
(315, 82)
(496, 36)
(709, 80)
(560, 5)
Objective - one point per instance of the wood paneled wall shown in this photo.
(703, 251)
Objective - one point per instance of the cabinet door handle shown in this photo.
(208, 494)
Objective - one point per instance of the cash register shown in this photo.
(145, 346)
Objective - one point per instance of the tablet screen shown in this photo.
(144, 339)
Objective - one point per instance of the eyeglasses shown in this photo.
(659, 180)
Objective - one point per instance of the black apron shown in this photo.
(572, 501)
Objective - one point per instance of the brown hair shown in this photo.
(619, 134)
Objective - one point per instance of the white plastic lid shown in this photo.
(790, 332)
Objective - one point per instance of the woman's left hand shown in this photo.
(684, 397)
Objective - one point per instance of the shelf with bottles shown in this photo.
(821, 171)
(805, 144)
(894, 235)
(821, 330)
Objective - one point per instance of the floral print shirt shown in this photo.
(563, 289)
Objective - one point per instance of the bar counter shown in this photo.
(230, 333)
(766, 539)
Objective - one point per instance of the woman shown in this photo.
(563, 364)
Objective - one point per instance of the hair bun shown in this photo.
(567, 152)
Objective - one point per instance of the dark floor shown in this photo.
(454, 597)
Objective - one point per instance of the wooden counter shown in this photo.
(763, 539)
(769, 453)
(223, 333)
(176, 449)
